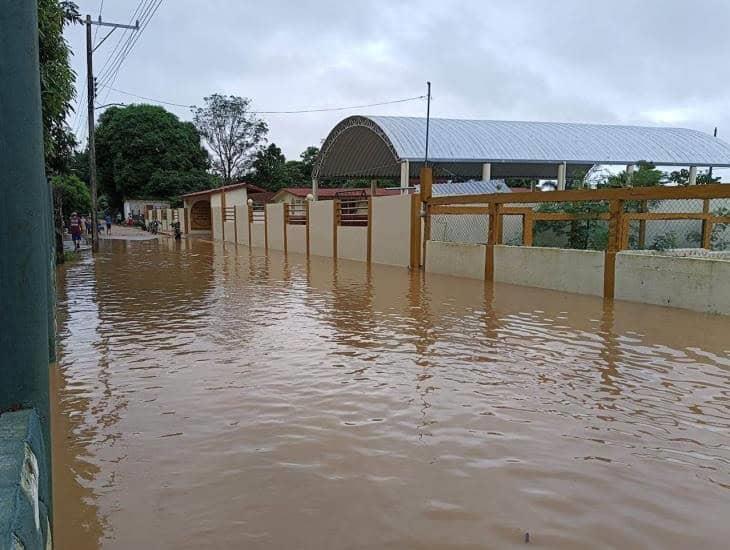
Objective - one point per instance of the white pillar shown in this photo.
(561, 176)
(693, 175)
(405, 174)
(487, 171)
(630, 172)
(315, 188)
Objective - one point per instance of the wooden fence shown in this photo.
(617, 217)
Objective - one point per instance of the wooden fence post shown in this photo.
(528, 224)
(415, 254)
(426, 181)
(266, 229)
(493, 233)
(706, 226)
(306, 224)
(286, 222)
(370, 230)
(643, 207)
(336, 217)
(615, 240)
(249, 215)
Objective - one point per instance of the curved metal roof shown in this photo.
(374, 145)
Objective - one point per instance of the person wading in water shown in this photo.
(75, 228)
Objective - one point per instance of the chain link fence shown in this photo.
(686, 230)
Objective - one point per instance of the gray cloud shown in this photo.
(659, 62)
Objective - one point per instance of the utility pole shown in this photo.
(428, 120)
(91, 94)
(710, 172)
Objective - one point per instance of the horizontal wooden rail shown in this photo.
(715, 191)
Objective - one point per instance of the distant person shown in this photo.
(87, 223)
(108, 221)
(119, 218)
(75, 229)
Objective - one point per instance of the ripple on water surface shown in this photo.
(206, 396)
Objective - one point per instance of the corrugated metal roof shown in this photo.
(469, 188)
(509, 141)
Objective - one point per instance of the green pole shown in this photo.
(26, 292)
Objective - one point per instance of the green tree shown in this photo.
(135, 145)
(645, 175)
(173, 183)
(682, 177)
(269, 169)
(57, 80)
(232, 132)
(73, 194)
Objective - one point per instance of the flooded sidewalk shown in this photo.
(208, 396)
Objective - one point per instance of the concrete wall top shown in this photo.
(236, 197)
(578, 271)
(699, 284)
(457, 259)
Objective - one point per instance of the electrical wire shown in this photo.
(290, 112)
(134, 38)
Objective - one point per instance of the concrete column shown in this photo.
(486, 171)
(561, 176)
(405, 174)
(373, 188)
(693, 175)
(630, 172)
(315, 188)
(26, 249)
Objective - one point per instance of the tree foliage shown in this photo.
(232, 132)
(74, 195)
(140, 149)
(272, 171)
(682, 177)
(57, 80)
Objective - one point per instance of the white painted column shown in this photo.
(405, 174)
(487, 171)
(561, 176)
(630, 172)
(315, 188)
(693, 175)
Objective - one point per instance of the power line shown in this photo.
(96, 30)
(111, 75)
(289, 112)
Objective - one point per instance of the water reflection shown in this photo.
(207, 395)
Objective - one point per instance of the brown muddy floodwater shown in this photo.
(206, 397)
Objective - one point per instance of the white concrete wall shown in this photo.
(181, 219)
(391, 230)
(237, 197)
(699, 284)
(577, 271)
(242, 225)
(230, 232)
(296, 238)
(352, 243)
(135, 206)
(458, 259)
(275, 225)
(258, 238)
(216, 222)
(321, 223)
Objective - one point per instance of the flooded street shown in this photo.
(206, 396)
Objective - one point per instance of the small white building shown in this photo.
(137, 207)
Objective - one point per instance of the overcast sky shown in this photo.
(650, 62)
